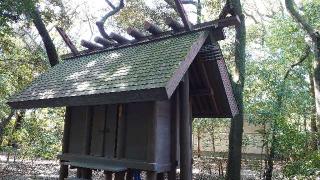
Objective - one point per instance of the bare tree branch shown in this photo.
(100, 23)
(250, 16)
(305, 55)
(110, 4)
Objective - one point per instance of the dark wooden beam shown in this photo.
(185, 130)
(174, 25)
(65, 142)
(153, 29)
(118, 38)
(175, 118)
(183, 15)
(67, 40)
(89, 45)
(95, 162)
(136, 34)
(208, 83)
(105, 42)
(219, 23)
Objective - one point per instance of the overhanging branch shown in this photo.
(305, 55)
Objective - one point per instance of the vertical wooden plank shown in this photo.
(162, 130)
(98, 131)
(77, 135)
(185, 131)
(152, 131)
(138, 118)
(65, 142)
(121, 132)
(175, 113)
(86, 173)
(110, 133)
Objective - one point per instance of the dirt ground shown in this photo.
(46, 169)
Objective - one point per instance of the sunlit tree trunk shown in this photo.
(313, 122)
(315, 37)
(236, 128)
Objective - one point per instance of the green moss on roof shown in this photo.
(143, 66)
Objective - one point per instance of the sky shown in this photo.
(89, 11)
(95, 9)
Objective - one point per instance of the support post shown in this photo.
(185, 131)
(151, 175)
(129, 175)
(107, 175)
(175, 113)
(160, 176)
(65, 142)
(119, 175)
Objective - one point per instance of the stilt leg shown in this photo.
(63, 172)
(107, 175)
(151, 175)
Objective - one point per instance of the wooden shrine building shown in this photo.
(130, 103)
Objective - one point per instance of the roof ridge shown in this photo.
(155, 39)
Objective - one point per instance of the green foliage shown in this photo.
(136, 12)
(40, 134)
(308, 164)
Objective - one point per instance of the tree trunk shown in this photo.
(17, 125)
(199, 141)
(213, 143)
(316, 82)
(47, 41)
(3, 124)
(315, 37)
(270, 158)
(313, 120)
(236, 128)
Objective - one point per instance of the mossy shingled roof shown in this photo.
(142, 66)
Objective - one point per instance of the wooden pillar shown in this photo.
(185, 131)
(175, 113)
(79, 173)
(119, 175)
(120, 131)
(151, 175)
(107, 175)
(160, 176)
(129, 175)
(65, 142)
(86, 173)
